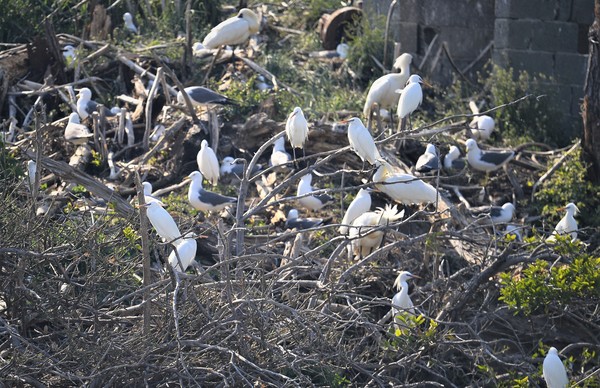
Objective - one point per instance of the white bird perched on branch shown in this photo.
(401, 302)
(554, 371)
(75, 132)
(279, 156)
(383, 90)
(233, 31)
(293, 221)
(364, 239)
(567, 224)
(86, 106)
(208, 164)
(201, 96)
(229, 166)
(359, 205)
(361, 141)
(496, 214)
(429, 161)
(148, 197)
(296, 129)
(205, 200)
(410, 98)
(129, 25)
(486, 160)
(162, 221)
(311, 202)
(186, 248)
(481, 126)
(403, 188)
(452, 160)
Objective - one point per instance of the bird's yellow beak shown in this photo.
(560, 209)
(426, 83)
(415, 276)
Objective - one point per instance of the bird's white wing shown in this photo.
(357, 207)
(365, 147)
(187, 253)
(378, 89)
(229, 32)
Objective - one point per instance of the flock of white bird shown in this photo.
(362, 226)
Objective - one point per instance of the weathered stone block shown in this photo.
(583, 12)
(533, 62)
(514, 34)
(538, 9)
(570, 68)
(408, 35)
(457, 13)
(466, 43)
(576, 100)
(555, 36)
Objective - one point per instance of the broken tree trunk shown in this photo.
(591, 100)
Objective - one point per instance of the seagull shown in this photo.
(293, 222)
(403, 188)
(481, 126)
(233, 31)
(361, 141)
(497, 214)
(453, 161)
(162, 221)
(554, 371)
(279, 156)
(199, 96)
(128, 19)
(296, 129)
(204, 200)
(383, 90)
(229, 166)
(401, 302)
(567, 224)
(429, 161)
(410, 97)
(364, 241)
(75, 132)
(186, 249)
(486, 160)
(359, 205)
(312, 202)
(148, 197)
(208, 164)
(85, 104)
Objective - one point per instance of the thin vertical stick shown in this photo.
(151, 94)
(145, 251)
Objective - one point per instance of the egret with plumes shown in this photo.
(496, 214)
(486, 161)
(361, 141)
(293, 221)
(201, 96)
(410, 97)
(296, 129)
(229, 166)
(364, 239)
(453, 161)
(129, 25)
(75, 132)
(567, 224)
(86, 106)
(186, 250)
(401, 302)
(204, 200)
(233, 31)
(429, 161)
(279, 156)
(403, 188)
(162, 221)
(481, 126)
(208, 164)
(359, 205)
(383, 90)
(554, 371)
(31, 170)
(311, 202)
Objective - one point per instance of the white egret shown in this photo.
(31, 171)
(403, 188)
(486, 160)
(364, 239)
(429, 161)
(75, 132)
(201, 96)
(293, 221)
(162, 221)
(383, 90)
(296, 129)
(86, 106)
(410, 97)
(233, 31)
(554, 371)
(148, 197)
(361, 141)
(453, 161)
(311, 202)
(359, 205)
(567, 224)
(204, 200)
(496, 214)
(481, 126)
(279, 156)
(401, 302)
(129, 25)
(186, 249)
(229, 166)
(208, 164)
